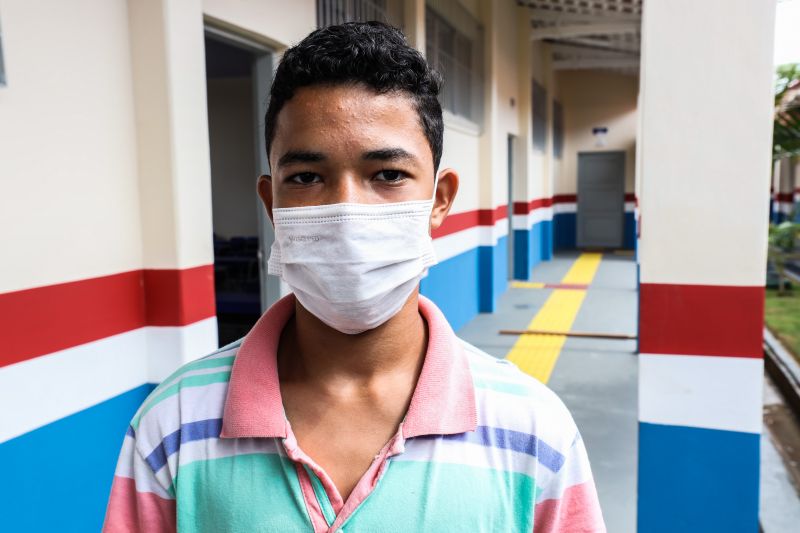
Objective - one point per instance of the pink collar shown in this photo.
(443, 402)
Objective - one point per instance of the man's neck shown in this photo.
(312, 352)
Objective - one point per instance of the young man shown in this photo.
(351, 405)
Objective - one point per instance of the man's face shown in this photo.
(345, 143)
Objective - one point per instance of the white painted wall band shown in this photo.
(701, 391)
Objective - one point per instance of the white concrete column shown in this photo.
(706, 108)
(168, 59)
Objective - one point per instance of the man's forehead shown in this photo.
(349, 112)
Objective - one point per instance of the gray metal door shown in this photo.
(601, 199)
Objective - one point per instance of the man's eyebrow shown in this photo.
(388, 154)
(300, 156)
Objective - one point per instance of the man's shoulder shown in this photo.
(508, 396)
(193, 394)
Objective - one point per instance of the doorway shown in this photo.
(238, 73)
(601, 200)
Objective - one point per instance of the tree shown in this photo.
(786, 125)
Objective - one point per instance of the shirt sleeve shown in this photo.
(568, 502)
(138, 502)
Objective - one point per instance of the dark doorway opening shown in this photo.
(236, 91)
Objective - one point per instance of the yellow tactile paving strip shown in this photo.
(537, 354)
(527, 285)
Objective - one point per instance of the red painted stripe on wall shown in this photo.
(469, 219)
(565, 198)
(784, 197)
(43, 320)
(47, 319)
(523, 208)
(179, 297)
(701, 320)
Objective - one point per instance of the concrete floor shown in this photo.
(780, 502)
(596, 378)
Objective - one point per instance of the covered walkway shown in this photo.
(596, 378)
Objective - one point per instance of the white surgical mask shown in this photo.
(353, 265)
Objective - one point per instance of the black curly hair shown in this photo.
(370, 53)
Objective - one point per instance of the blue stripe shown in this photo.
(508, 439)
(695, 479)
(454, 285)
(564, 231)
(57, 477)
(130, 432)
(202, 429)
(531, 247)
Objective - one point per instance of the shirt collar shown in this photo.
(443, 402)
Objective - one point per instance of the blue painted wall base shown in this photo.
(531, 247)
(58, 477)
(693, 479)
(565, 231)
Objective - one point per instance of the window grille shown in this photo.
(454, 47)
(539, 100)
(558, 129)
(330, 12)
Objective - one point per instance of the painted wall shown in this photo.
(277, 23)
(69, 206)
(533, 183)
(111, 284)
(610, 103)
(701, 326)
(472, 243)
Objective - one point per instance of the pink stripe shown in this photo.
(576, 510)
(132, 511)
(443, 402)
(312, 504)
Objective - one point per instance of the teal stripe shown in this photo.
(250, 492)
(502, 386)
(187, 382)
(206, 362)
(445, 498)
(200, 364)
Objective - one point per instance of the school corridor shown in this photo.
(596, 377)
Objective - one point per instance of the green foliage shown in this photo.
(786, 124)
(785, 75)
(783, 247)
(784, 235)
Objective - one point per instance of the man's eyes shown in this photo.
(304, 178)
(310, 178)
(391, 175)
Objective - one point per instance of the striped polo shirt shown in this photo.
(483, 447)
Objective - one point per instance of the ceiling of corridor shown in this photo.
(589, 34)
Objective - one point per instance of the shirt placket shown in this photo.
(326, 509)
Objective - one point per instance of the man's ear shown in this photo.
(446, 190)
(264, 187)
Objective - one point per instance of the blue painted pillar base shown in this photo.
(493, 267)
(546, 238)
(693, 479)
